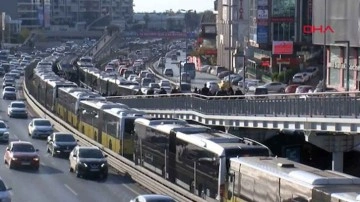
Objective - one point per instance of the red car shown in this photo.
(19, 154)
(291, 88)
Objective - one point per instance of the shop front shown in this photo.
(336, 68)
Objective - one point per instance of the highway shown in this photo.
(53, 182)
(200, 78)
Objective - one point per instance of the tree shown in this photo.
(24, 34)
(146, 19)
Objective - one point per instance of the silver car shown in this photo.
(4, 132)
(40, 128)
(17, 109)
(5, 195)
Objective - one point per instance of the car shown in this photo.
(17, 109)
(274, 87)
(152, 198)
(291, 88)
(8, 81)
(4, 132)
(168, 72)
(165, 84)
(88, 161)
(40, 128)
(312, 71)
(300, 78)
(21, 153)
(5, 195)
(60, 143)
(9, 93)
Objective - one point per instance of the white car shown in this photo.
(312, 71)
(9, 93)
(40, 128)
(300, 78)
(4, 132)
(17, 109)
(274, 87)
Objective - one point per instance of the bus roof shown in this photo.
(125, 112)
(102, 104)
(285, 168)
(157, 121)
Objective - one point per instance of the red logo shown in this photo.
(311, 29)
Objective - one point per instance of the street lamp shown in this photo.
(186, 32)
(347, 62)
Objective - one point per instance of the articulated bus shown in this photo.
(91, 122)
(118, 130)
(275, 179)
(52, 89)
(194, 157)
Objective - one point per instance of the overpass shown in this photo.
(72, 34)
(170, 35)
(329, 121)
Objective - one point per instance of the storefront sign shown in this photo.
(311, 29)
(282, 47)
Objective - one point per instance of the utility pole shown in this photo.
(3, 15)
(230, 39)
(325, 52)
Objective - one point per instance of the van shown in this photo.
(168, 72)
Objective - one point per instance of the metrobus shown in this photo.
(193, 157)
(276, 179)
(189, 68)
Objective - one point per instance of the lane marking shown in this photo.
(131, 189)
(70, 189)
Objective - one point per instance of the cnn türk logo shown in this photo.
(311, 29)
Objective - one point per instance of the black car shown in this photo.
(60, 143)
(88, 161)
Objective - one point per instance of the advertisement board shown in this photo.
(262, 34)
(282, 48)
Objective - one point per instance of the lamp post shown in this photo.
(186, 33)
(324, 52)
(347, 62)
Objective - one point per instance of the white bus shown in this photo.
(191, 156)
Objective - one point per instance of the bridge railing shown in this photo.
(280, 105)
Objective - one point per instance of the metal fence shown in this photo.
(281, 106)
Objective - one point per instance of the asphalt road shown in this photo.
(53, 182)
(200, 78)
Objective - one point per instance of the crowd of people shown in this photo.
(203, 91)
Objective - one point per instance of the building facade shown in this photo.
(232, 24)
(34, 14)
(340, 22)
(72, 11)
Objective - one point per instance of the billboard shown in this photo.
(262, 17)
(341, 16)
(282, 48)
(262, 34)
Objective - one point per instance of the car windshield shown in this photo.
(90, 153)
(42, 123)
(154, 85)
(10, 89)
(2, 125)
(2, 186)
(165, 83)
(64, 138)
(18, 105)
(23, 148)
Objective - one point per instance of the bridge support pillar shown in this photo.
(336, 143)
(337, 161)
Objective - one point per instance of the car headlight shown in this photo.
(84, 164)
(6, 134)
(35, 159)
(103, 165)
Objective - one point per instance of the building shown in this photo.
(34, 14)
(160, 21)
(11, 30)
(72, 11)
(10, 7)
(262, 24)
(234, 28)
(338, 22)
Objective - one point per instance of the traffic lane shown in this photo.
(54, 178)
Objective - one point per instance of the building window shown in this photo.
(335, 65)
(283, 8)
(283, 31)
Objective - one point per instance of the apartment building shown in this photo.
(72, 11)
(33, 14)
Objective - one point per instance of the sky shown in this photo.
(163, 5)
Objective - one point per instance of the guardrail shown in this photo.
(321, 105)
(144, 177)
